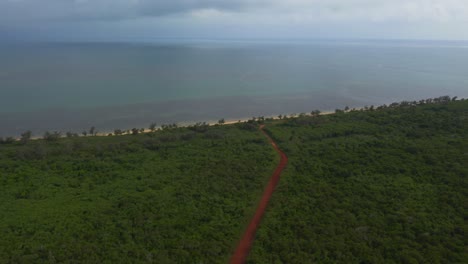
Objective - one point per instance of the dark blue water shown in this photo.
(71, 86)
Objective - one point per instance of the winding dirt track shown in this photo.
(242, 250)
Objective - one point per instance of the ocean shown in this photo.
(73, 86)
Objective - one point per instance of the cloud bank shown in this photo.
(275, 18)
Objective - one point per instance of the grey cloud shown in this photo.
(39, 10)
(226, 18)
(65, 10)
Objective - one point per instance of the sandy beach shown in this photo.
(188, 124)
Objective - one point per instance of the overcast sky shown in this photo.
(304, 19)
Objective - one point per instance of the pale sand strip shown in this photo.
(210, 123)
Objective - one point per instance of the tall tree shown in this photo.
(26, 136)
(152, 127)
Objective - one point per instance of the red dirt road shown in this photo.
(243, 249)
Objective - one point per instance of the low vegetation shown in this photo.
(177, 196)
(384, 184)
(379, 186)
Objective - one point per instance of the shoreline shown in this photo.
(186, 124)
(230, 121)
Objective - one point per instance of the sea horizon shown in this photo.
(71, 86)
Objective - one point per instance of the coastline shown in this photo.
(230, 121)
(56, 135)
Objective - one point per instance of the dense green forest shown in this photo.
(385, 185)
(181, 195)
(381, 186)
